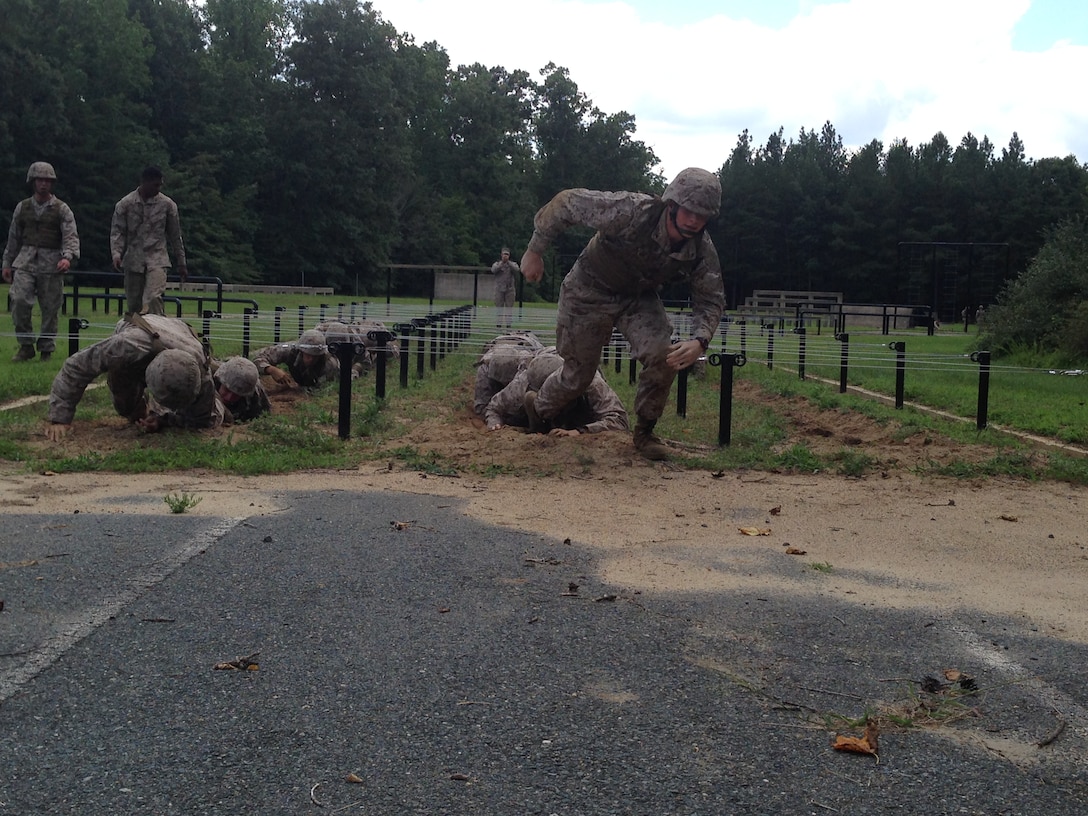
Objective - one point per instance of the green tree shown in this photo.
(1044, 311)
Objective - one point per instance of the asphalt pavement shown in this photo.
(411, 660)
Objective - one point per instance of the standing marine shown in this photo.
(42, 245)
(642, 242)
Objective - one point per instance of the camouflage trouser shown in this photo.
(144, 290)
(504, 302)
(584, 322)
(47, 288)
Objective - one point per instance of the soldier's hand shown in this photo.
(564, 432)
(183, 273)
(279, 375)
(7, 274)
(117, 262)
(56, 431)
(497, 427)
(682, 355)
(63, 265)
(532, 266)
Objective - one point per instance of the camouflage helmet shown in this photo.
(173, 378)
(337, 332)
(41, 170)
(696, 190)
(542, 366)
(239, 375)
(311, 341)
(504, 363)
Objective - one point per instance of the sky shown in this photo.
(696, 73)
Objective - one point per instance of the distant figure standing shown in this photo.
(505, 272)
(145, 222)
(42, 245)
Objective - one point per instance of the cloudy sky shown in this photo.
(695, 73)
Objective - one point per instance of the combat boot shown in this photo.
(647, 443)
(45, 356)
(25, 352)
(536, 424)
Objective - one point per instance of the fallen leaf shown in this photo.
(795, 551)
(604, 598)
(755, 531)
(460, 777)
(952, 675)
(867, 744)
(1008, 517)
(353, 778)
(400, 525)
(774, 511)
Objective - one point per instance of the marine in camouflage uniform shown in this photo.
(504, 271)
(126, 357)
(308, 360)
(42, 245)
(145, 223)
(238, 384)
(358, 332)
(642, 242)
(595, 410)
(502, 358)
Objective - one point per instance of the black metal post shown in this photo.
(800, 352)
(900, 349)
(682, 392)
(247, 316)
(725, 405)
(983, 360)
(276, 323)
(380, 339)
(74, 326)
(770, 350)
(844, 358)
(345, 353)
(405, 331)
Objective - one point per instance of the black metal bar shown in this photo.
(276, 323)
(983, 360)
(770, 349)
(725, 405)
(247, 318)
(844, 359)
(206, 334)
(900, 349)
(682, 392)
(801, 352)
(74, 326)
(380, 340)
(345, 353)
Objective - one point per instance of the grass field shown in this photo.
(937, 372)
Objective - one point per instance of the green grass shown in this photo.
(939, 374)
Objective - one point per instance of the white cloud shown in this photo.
(874, 69)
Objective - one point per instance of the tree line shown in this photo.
(312, 143)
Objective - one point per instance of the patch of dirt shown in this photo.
(998, 546)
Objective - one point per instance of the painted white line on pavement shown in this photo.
(74, 630)
(1070, 710)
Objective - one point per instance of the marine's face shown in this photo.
(683, 223)
(150, 187)
(228, 396)
(43, 188)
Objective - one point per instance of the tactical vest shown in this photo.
(633, 260)
(43, 230)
